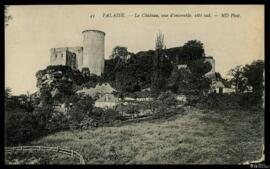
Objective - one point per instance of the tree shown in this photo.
(173, 80)
(238, 80)
(199, 67)
(218, 76)
(248, 76)
(159, 41)
(157, 79)
(7, 93)
(190, 80)
(82, 108)
(254, 75)
(193, 49)
(168, 98)
(45, 96)
(119, 52)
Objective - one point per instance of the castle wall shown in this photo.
(71, 60)
(58, 56)
(70, 56)
(78, 51)
(93, 51)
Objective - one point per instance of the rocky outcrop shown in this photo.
(58, 80)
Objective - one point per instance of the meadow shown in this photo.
(195, 136)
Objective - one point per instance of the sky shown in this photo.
(34, 29)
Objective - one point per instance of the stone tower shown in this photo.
(93, 51)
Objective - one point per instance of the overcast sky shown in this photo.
(35, 29)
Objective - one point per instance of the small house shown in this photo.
(99, 90)
(107, 101)
(217, 87)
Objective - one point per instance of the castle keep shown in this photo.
(91, 55)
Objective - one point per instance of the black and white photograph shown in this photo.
(134, 84)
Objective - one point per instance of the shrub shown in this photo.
(228, 101)
(82, 108)
(23, 126)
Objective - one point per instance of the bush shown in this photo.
(241, 101)
(168, 98)
(24, 126)
(24, 123)
(81, 108)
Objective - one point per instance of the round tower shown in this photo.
(93, 51)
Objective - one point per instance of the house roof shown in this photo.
(102, 89)
(218, 84)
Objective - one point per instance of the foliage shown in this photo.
(151, 68)
(236, 101)
(168, 98)
(81, 108)
(218, 76)
(254, 75)
(238, 80)
(247, 77)
(193, 49)
(23, 123)
(140, 94)
(191, 80)
(165, 105)
(119, 52)
(199, 67)
(159, 41)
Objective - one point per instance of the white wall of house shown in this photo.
(105, 104)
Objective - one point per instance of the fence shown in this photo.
(71, 153)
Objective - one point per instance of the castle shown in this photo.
(91, 55)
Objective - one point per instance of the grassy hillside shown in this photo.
(195, 137)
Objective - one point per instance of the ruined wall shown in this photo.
(78, 51)
(91, 55)
(71, 60)
(58, 56)
(70, 56)
(93, 51)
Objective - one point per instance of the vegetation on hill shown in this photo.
(153, 74)
(128, 72)
(140, 70)
(196, 136)
(248, 77)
